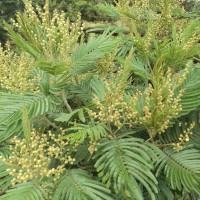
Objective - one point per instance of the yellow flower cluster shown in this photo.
(137, 6)
(133, 13)
(32, 159)
(106, 64)
(165, 19)
(113, 109)
(188, 43)
(151, 18)
(185, 137)
(161, 105)
(57, 149)
(52, 35)
(178, 80)
(15, 72)
(160, 109)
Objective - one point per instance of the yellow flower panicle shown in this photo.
(32, 160)
(161, 105)
(142, 12)
(15, 72)
(106, 64)
(184, 137)
(51, 34)
(113, 109)
(149, 21)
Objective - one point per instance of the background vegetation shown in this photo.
(88, 9)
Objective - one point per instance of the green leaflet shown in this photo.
(109, 10)
(140, 68)
(65, 117)
(81, 115)
(53, 67)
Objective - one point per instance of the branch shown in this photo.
(66, 102)
(49, 122)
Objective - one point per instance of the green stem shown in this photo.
(49, 122)
(66, 102)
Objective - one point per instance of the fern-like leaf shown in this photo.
(21, 42)
(140, 68)
(180, 126)
(87, 54)
(125, 163)
(109, 10)
(5, 178)
(191, 97)
(24, 191)
(78, 184)
(11, 111)
(182, 169)
(82, 131)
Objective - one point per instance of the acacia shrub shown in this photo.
(101, 119)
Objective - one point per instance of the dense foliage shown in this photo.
(88, 9)
(112, 116)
